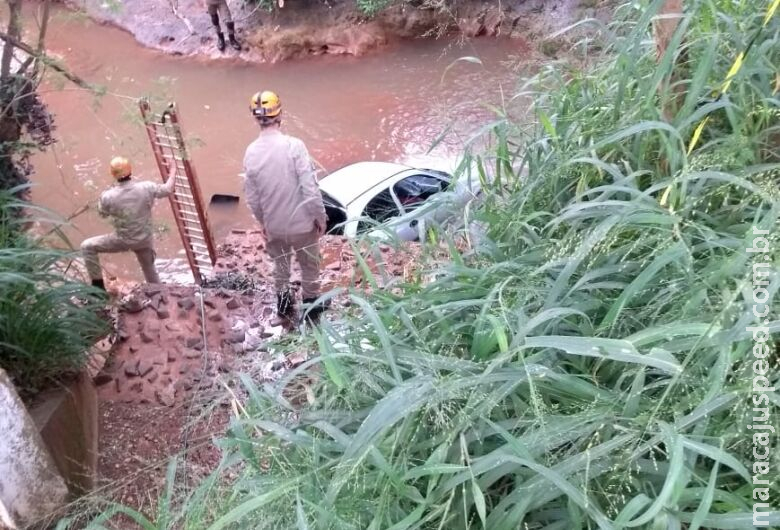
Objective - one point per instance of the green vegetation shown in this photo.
(48, 318)
(48, 321)
(584, 365)
(372, 7)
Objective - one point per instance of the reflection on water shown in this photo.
(391, 105)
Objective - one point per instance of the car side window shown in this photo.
(379, 209)
(413, 191)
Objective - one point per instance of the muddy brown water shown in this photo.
(390, 105)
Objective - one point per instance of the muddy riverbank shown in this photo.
(169, 384)
(318, 27)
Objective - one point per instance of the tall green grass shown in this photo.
(586, 364)
(48, 320)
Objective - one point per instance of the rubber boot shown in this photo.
(220, 41)
(231, 27)
(314, 311)
(100, 284)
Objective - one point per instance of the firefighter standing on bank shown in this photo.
(128, 205)
(281, 188)
(215, 9)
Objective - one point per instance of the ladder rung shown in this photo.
(192, 219)
(161, 136)
(184, 195)
(191, 211)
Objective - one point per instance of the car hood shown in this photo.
(350, 182)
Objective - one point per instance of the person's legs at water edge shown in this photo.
(213, 9)
(145, 256)
(92, 247)
(280, 251)
(224, 11)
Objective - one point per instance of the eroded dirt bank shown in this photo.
(170, 383)
(316, 27)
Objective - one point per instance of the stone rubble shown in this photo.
(222, 327)
(179, 347)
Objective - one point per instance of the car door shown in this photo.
(336, 214)
(412, 192)
(382, 207)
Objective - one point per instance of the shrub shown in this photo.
(48, 320)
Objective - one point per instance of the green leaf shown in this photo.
(611, 349)
(479, 502)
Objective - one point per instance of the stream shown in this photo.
(391, 105)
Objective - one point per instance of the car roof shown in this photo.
(350, 182)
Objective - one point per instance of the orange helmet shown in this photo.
(265, 105)
(120, 167)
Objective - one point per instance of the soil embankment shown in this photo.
(317, 27)
(170, 381)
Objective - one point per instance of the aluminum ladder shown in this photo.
(167, 141)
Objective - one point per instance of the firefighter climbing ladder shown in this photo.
(168, 146)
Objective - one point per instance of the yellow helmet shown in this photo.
(265, 105)
(120, 167)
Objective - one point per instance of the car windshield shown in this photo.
(378, 210)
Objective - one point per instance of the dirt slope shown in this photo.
(315, 27)
(168, 383)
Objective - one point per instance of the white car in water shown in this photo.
(381, 199)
